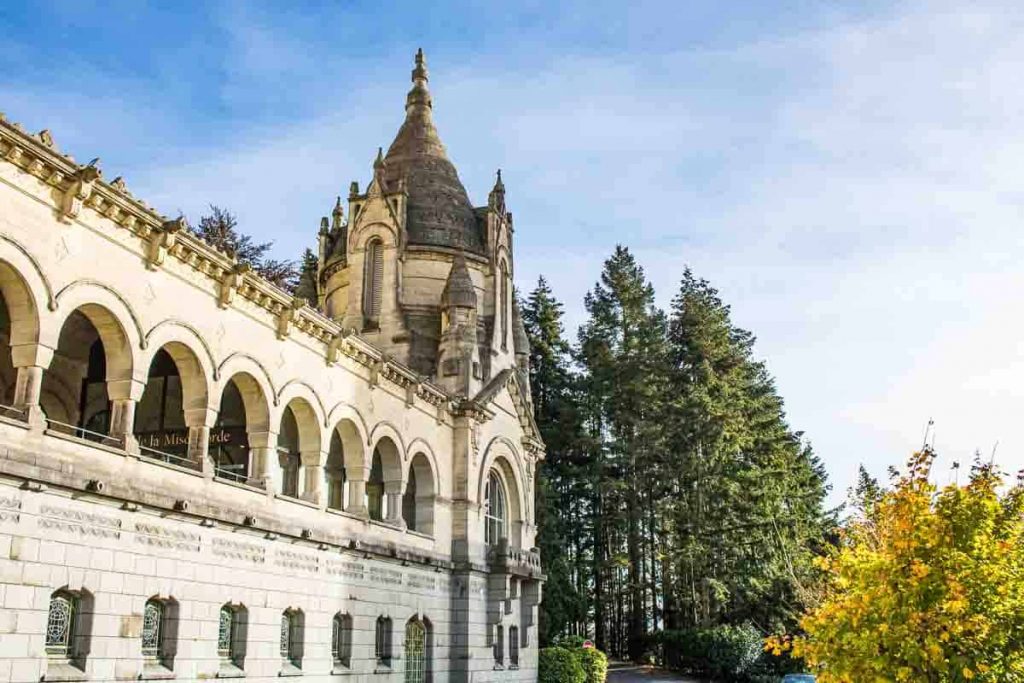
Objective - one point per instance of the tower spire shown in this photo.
(419, 95)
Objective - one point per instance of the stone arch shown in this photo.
(243, 429)
(347, 411)
(25, 264)
(195, 369)
(22, 305)
(502, 458)
(172, 330)
(95, 359)
(85, 292)
(299, 447)
(19, 337)
(420, 445)
(345, 458)
(385, 483)
(297, 388)
(240, 362)
(387, 429)
(420, 494)
(376, 230)
(174, 408)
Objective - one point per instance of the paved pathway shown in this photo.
(629, 673)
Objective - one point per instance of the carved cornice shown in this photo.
(82, 187)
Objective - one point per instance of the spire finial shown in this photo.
(419, 74)
(498, 185)
(338, 213)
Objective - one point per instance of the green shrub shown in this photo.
(594, 663)
(559, 665)
(721, 652)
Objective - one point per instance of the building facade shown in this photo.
(203, 477)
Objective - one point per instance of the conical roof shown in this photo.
(459, 290)
(439, 211)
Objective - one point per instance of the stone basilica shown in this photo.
(203, 477)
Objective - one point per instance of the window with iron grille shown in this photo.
(61, 623)
(341, 640)
(68, 632)
(231, 636)
(415, 652)
(291, 638)
(152, 629)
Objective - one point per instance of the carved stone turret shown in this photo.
(458, 367)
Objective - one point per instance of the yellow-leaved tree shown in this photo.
(925, 585)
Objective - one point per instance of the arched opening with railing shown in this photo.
(418, 498)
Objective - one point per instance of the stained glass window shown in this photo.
(152, 625)
(60, 623)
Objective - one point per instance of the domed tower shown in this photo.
(414, 231)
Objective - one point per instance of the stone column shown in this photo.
(30, 360)
(393, 496)
(124, 396)
(357, 475)
(263, 471)
(200, 421)
(310, 471)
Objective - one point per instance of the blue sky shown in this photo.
(848, 175)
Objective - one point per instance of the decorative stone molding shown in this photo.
(232, 281)
(160, 241)
(79, 192)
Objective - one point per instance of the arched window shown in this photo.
(291, 640)
(61, 624)
(513, 647)
(373, 282)
(415, 652)
(68, 625)
(375, 488)
(503, 301)
(231, 638)
(341, 640)
(382, 641)
(159, 622)
(494, 510)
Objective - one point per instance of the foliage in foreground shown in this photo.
(559, 665)
(594, 663)
(926, 585)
